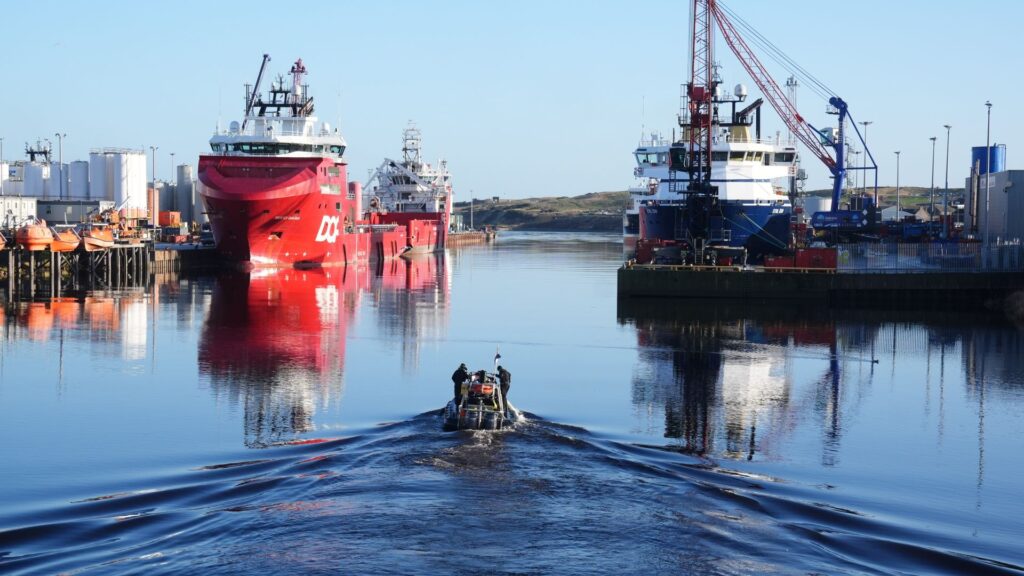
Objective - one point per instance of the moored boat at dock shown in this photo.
(275, 186)
(413, 195)
(753, 178)
(96, 236)
(65, 239)
(34, 235)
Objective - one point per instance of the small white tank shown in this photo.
(78, 185)
(814, 204)
(36, 177)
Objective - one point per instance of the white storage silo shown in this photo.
(78, 187)
(184, 193)
(4, 176)
(128, 176)
(164, 195)
(136, 179)
(118, 177)
(36, 176)
(58, 182)
(97, 175)
(16, 171)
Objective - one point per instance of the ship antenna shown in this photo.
(255, 91)
(297, 71)
(643, 117)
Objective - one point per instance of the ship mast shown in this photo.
(700, 92)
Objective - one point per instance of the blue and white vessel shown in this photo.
(752, 179)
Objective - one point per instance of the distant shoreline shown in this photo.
(594, 212)
(602, 211)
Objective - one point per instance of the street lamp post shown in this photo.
(152, 150)
(174, 198)
(60, 163)
(899, 212)
(864, 189)
(945, 198)
(988, 171)
(853, 184)
(931, 196)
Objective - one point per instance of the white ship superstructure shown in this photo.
(413, 194)
(409, 184)
(753, 176)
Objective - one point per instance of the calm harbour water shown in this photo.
(286, 422)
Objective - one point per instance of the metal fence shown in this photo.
(921, 257)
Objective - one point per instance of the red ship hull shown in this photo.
(282, 211)
(424, 231)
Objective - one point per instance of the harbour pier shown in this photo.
(28, 273)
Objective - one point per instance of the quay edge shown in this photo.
(974, 289)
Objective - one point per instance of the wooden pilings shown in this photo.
(32, 273)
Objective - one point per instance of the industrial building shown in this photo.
(999, 210)
(112, 177)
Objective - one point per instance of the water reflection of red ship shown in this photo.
(274, 340)
(417, 273)
(274, 319)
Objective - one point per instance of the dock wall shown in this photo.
(819, 286)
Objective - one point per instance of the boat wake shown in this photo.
(400, 497)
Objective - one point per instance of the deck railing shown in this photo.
(925, 257)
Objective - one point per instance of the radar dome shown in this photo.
(718, 92)
(233, 127)
(740, 91)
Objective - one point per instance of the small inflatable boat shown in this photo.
(481, 408)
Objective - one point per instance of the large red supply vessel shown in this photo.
(276, 186)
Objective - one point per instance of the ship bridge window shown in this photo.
(272, 148)
(719, 156)
(755, 156)
(784, 157)
(737, 156)
(678, 159)
(339, 150)
(216, 147)
(646, 158)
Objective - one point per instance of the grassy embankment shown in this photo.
(602, 211)
(594, 212)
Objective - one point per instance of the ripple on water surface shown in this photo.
(405, 498)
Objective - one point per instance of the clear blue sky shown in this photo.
(523, 98)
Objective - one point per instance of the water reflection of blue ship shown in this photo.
(751, 177)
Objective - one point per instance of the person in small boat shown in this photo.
(460, 375)
(505, 380)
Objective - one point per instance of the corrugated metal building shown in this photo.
(1005, 206)
(70, 210)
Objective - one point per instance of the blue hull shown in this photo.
(760, 229)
